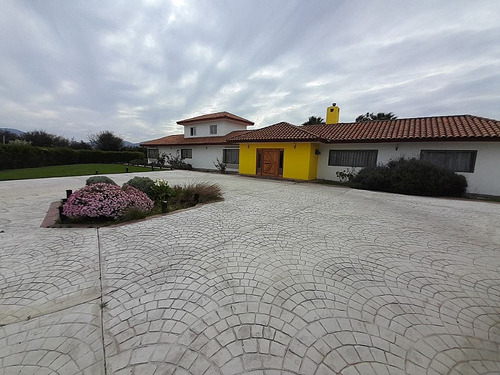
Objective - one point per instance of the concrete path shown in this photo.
(280, 278)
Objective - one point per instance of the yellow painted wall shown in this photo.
(299, 162)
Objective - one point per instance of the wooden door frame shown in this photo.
(257, 167)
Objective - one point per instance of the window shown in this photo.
(186, 153)
(153, 153)
(231, 156)
(213, 129)
(353, 158)
(192, 130)
(455, 161)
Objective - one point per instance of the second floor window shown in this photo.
(192, 131)
(213, 129)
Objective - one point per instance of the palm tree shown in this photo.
(313, 120)
(374, 117)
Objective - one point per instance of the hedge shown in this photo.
(25, 156)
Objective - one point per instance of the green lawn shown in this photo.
(67, 170)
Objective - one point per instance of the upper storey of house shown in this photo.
(213, 125)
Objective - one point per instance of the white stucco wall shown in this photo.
(203, 156)
(484, 180)
(203, 129)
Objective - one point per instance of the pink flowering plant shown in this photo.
(106, 201)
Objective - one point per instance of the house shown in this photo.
(469, 145)
(205, 140)
(466, 144)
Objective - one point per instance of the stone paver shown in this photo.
(280, 278)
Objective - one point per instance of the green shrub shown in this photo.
(14, 156)
(99, 179)
(138, 162)
(411, 176)
(144, 184)
(161, 190)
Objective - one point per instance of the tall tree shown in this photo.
(374, 117)
(313, 120)
(40, 138)
(106, 141)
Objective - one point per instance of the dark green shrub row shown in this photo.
(411, 176)
(25, 156)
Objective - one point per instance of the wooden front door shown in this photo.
(268, 162)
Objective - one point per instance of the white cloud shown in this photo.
(137, 67)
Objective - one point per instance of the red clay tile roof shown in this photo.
(412, 129)
(463, 127)
(282, 131)
(215, 116)
(179, 140)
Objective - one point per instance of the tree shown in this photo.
(7, 136)
(105, 141)
(374, 117)
(313, 120)
(79, 145)
(40, 138)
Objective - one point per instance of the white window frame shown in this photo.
(224, 158)
(213, 129)
(186, 153)
(450, 159)
(356, 158)
(153, 153)
(192, 131)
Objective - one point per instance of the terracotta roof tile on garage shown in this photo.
(179, 140)
(282, 131)
(215, 116)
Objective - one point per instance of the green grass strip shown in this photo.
(68, 170)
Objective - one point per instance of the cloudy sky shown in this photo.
(136, 67)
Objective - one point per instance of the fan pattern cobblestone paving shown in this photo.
(280, 278)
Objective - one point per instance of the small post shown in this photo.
(126, 170)
(164, 207)
(61, 215)
(68, 193)
(96, 172)
(152, 167)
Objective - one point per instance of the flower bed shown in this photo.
(105, 201)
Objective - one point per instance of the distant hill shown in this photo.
(13, 131)
(130, 144)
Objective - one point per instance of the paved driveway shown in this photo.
(280, 278)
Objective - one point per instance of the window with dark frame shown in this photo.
(192, 130)
(153, 153)
(353, 158)
(213, 129)
(231, 156)
(452, 160)
(186, 153)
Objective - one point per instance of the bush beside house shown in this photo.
(411, 176)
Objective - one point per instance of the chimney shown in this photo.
(332, 114)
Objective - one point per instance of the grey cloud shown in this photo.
(138, 67)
